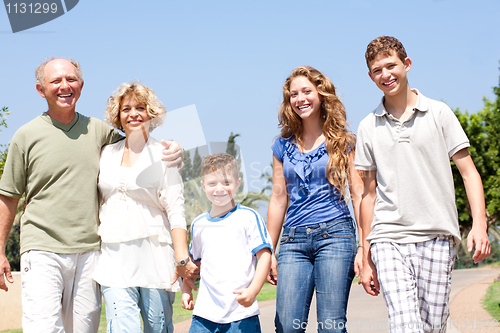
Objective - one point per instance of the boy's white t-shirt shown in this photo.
(226, 247)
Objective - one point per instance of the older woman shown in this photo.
(143, 226)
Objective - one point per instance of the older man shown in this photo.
(54, 160)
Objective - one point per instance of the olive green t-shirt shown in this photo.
(57, 166)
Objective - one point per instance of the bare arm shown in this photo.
(187, 297)
(356, 192)
(369, 273)
(188, 272)
(276, 213)
(247, 296)
(8, 208)
(475, 194)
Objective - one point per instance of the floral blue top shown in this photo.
(312, 198)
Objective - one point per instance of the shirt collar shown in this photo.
(421, 105)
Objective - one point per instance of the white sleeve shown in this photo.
(258, 237)
(172, 197)
(454, 135)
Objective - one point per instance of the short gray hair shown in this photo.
(40, 70)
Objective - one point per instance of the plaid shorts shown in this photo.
(415, 280)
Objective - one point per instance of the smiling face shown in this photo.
(389, 73)
(132, 114)
(62, 87)
(220, 187)
(304, 98)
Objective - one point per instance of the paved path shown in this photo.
(366, 313)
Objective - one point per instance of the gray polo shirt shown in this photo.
(415, 192)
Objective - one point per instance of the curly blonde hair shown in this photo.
(339, 140)
(141, 94)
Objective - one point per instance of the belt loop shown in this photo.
(322, 227)
(291, 235)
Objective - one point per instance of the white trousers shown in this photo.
(58, 292)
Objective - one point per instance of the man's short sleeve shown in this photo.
(13, 182)
(257, 234)
(278, 148)
(453, 133)
(109, 134)
(364, 158)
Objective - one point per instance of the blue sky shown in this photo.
(230, 58)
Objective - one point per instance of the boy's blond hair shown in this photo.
(220, 161)
(384, 45)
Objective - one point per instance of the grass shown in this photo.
(491, 300)
(268, 292)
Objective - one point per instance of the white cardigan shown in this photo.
(141, 204)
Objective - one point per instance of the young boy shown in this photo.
(227, 240)
(408, 212)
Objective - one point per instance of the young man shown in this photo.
(54, 160)
(408, 212)
(227, 240)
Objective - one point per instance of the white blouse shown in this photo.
(141, 205)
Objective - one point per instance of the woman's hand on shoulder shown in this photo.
(173, 154)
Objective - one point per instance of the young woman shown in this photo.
(313, 164)
(142, 219)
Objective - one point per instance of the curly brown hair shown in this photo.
(220, 161)
(141, 94)
(384, 45)
(339, 140)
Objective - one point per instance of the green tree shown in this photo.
(3, 153)
(12, 247)
(231, 145)
(196, 201)
(187, 166)
(233, 151)
(196, 170)
(483, 131)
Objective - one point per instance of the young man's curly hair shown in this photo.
(384, 45)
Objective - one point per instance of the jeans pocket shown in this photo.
(285, 239)
(345, 229)
(338, 234)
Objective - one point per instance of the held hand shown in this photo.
(187, 301)
(245, 297)
(358, 262)
(173, 153)
(189, 272)
(479, 237)
(272, 277)
(5, 270)
(369, 279)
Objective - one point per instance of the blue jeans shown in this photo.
(247, 325)
(123, 306)
(321, 257)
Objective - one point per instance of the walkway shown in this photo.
(368, 314)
